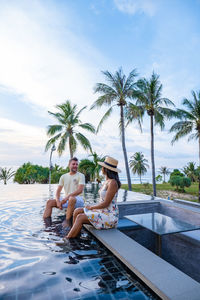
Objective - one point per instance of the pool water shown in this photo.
(33, 266)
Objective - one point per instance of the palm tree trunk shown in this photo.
(199, 167)
(152, 158)
(124, 148)
(70, 148)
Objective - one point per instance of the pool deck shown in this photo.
(164, 279)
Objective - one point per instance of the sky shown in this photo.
(54, 50)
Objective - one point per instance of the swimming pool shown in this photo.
(32, 266)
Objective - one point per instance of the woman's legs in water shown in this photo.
(80, 219)
(77, 211)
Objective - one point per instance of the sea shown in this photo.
(135, 180)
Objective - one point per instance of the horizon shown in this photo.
(56, 51)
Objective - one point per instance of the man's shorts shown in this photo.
(79, 202)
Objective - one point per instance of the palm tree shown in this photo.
(91, 167)
(148, 99)
(164, 171)
(190, 171)
(116, 93)
(6, 174)
(190, 122)
(66, 130)
(138, 164)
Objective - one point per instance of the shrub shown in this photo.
(158, 178)
(176, 172)
(180, 182)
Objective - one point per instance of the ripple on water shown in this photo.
(33, 266)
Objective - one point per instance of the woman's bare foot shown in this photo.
(66, 224)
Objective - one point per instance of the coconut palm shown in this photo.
(190, 122)
(149, 100)
(66, 131)
(6, 174)
(190, 171)
(115, 94)
(91, 167)
(138, 164)
(164, 171)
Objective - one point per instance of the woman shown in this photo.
(105, 214)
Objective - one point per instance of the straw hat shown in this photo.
(110, 163)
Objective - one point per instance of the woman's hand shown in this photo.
(89, 207)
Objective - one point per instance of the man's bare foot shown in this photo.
(66, 224)
(48, 221)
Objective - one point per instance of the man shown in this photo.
(73, 183)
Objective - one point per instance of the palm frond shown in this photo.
(88, 127)
(181, 125)
(6, 174)
(167, 112)
(83, 141)
(182, 128)
(134, 113)
(130, 84)
(103, 100)
(58, 116)
(104, 118)
(62, 144)
(79, 112)
(52, 129)
(109, 76)
(183, 114)
(193, 136)
(52, 141)
(159, 119)
(103, 88)
(188, 104)
(161, 101)
(73, 143)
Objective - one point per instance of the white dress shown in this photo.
(106, 217)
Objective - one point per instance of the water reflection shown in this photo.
(34, 267)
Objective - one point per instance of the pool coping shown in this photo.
(161, 277)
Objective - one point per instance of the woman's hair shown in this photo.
(113, 175)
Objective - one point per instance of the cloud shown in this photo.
(42, 59)
(134, 6)
(15, 133)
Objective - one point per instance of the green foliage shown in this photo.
(190, 171)
(6, 174)
(149, 100)
(57, 172)
(164, 171)
(158, 178)
(176, 172)
(180, 182)
(116, 93)
(67, 129)
(147, 189)
(29, 173)
(91, 168)
(138, 164)
(190, 119)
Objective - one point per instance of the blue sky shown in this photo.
(55, 50)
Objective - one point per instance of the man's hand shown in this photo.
(59, 204)
(64, 200)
